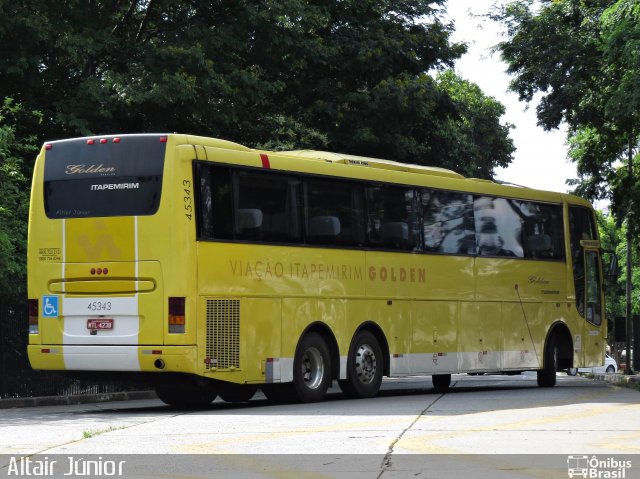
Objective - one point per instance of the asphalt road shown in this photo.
(486, 416)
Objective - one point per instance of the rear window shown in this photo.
(114, 178)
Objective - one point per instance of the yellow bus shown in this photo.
(209, 268)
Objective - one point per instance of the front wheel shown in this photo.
(365, 365)
(572, 371)
(441, 382)
(611, 369)
(312, 368)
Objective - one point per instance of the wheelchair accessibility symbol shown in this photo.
(50, 306)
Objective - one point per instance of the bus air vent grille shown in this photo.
(223, 334)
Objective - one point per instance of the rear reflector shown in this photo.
(32, 306)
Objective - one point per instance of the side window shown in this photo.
(448, 222)
(498, 227)
(334, 212)
(214, 202)
(393, 220)
(542, 229)
(267, 207)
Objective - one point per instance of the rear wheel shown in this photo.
(311, 368)
(611, 369)
(187, 395)
(572, 371)
(279, 393)
(235, 393)
(547, 375)
(365, 365)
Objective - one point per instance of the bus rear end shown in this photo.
(99, 229)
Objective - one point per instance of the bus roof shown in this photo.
(345, 159)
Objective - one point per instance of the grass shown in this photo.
(90, 434)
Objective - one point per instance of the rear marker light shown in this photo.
(32, 306)
(177, 315)
(90, 142)
(152, 351)
(116, 140)
(163, 139)
(99, 271)
(48, 146)
(103, 141)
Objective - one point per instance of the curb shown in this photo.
(78, 399)
(619, 379)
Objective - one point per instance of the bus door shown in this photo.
(588, 334)
(593, 312)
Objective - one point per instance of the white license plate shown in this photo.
(102, 324)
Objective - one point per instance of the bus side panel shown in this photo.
(480, 337)
(435, 337)
(523, 331)
(391, 275)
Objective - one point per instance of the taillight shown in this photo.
(32, 306)
(176, 315)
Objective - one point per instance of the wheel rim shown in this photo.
(312, 367)
(366, 364)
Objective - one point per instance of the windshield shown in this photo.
(121, 176)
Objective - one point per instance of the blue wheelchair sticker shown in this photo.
(50, 306)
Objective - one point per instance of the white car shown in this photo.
(609, 366)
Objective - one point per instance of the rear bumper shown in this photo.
(151, 358)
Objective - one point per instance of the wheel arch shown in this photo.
(326, 333)
(564, 343)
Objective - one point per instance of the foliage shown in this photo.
(352, 76)
(583, 56)
(475, 132)
(14, 200)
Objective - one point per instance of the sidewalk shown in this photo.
(78, 399)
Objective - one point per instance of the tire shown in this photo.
(547, 375)
(610, 369)
(311, 368)
(279, 393)
(189, 395)
(236, 393)
(441, 382)
(365, 365)
(572, 371)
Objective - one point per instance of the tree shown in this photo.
(14, 200)
(352, 76)
(584, 58)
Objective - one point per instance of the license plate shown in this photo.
(100, 324)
